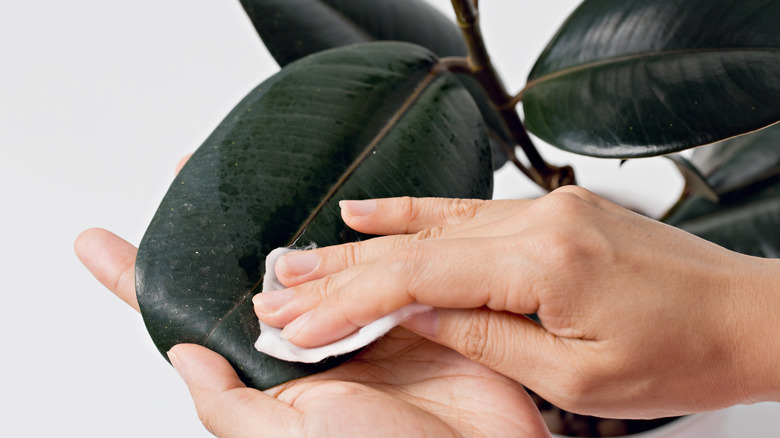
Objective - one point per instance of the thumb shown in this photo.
(225, 406)
(505, 342)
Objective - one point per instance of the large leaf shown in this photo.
(292, 29)
(365, 121)
(632, 78)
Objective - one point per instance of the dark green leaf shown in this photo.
(373, 120)
(743, 221)
(739, 162)
(633, 78)
(292, 29)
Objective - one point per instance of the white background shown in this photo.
(98, 101)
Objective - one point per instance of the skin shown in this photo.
(638, 319)
(401, 386)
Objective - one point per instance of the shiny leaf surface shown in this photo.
(373, 120)
(292, 29)
(633, 78)
(743, 172)
(739, 162)
(743, 221)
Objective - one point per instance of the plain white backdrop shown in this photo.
(99, 99)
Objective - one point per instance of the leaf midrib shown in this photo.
(370, 146)
(381, 135)
(633, 57)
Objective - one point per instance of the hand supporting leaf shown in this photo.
(402, 386)
(373, 120)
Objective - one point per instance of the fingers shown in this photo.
(412, 215)
(111, 260)
(509, 343)
(182, 162)
(427, 219)
(452, 273)
(226, 407)
(302, 266)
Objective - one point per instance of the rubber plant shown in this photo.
(389, 97)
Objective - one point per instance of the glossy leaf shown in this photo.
(373, 120)
(743, 221)
(744, 174)
(292, 29)
(633, 78)
(739, 162)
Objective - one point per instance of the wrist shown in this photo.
(756, 344)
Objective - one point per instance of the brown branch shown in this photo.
(545, 175)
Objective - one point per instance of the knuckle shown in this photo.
(407, 266)
(475, 341)
(408, 208)
(326, 287)
(577, 191)
(461, 209)
(350, 254)
(428, 233)
(563, 204)
(560, 246)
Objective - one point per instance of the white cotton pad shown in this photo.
(271, 343)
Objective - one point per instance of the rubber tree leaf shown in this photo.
(739, 162)
(746, 221)
(292, 29)
(366, 121)
(634, 78)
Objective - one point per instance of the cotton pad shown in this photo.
(271, 343)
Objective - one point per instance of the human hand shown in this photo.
(638, 319)
(401, 386)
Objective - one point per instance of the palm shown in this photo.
(403, 385)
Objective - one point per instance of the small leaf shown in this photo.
(292, 29)
(635, 78)
(366, 121)
(739, 162)
(745, 221)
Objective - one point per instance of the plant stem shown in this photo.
(480, 66)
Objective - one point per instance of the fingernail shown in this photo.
(293, 328)
(271, 301)
(358, 208)
(178, 365)
(298, 263)
(426, 323)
